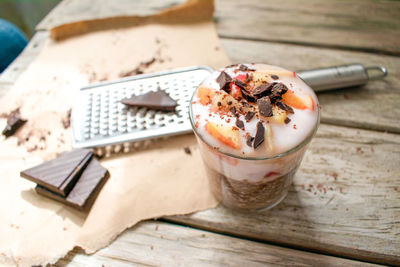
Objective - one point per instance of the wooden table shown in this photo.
(344, 205)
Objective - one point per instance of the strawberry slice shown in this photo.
(224, 134)
(205, 94)
(235, 92)
(298, 102)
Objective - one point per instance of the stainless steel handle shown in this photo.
(341, 76)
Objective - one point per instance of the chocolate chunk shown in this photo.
(277, 91)
(233, 110)
(60, 175)
(224, 79)
(287, 120)
(263, 90)
(283, 106)
(239, 124)
(249, 141)
(246, 95)
(274, 77)
(187, 150)
(259, 138)
(14, 122)
(265, 107)
(249, 115)
(86, 189)
(158, 100)
(241, 84)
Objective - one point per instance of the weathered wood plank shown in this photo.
(374, 106)
(358, 24)
(363, 25)
(163, 244)
(345, 200)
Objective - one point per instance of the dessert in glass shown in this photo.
(253, 123)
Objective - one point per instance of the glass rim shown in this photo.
(277, 156)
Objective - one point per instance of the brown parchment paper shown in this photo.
(159, 180)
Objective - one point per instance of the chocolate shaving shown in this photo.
(274, 77)
(265, 107)
(14, 122)
(241, 84)
(247, 96)
(249, 115)
(158, 100)
(66, 122)
(239, 124)
(285, 107)
(249, 141)
(224, 79)
(262, 90)
(287, 120)
(277, 91)
(187, 150)
(259, 138)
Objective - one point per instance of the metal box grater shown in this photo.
(100, 120)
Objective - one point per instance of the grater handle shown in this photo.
(341, 76)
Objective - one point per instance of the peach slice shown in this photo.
(222, 101)
(298, 102)
(224, 134)
(205, 94)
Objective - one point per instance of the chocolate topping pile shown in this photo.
(252, 97)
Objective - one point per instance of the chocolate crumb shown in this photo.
(14, 122)
(259, 138)
(264, 106)
(219, 104)
(66, 122)
(229, 103)
(274, 77)
(249, 115)
(239, 124)
(287, 120)
(233, 110)
(187, 150)
(249, 140)
(224, 79)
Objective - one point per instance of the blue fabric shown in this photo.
(12, 42)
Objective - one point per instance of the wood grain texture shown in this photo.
(162, 244)
(363, 25)
(374, 106)
(345, 200)
(358, 24)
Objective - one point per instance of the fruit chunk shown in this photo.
(205, 94)
(279, 115)
(224, 134)
(268, 138)
(298, 102)
(223, 101)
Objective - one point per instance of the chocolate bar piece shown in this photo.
(14, 122)
(60, 175)
(158, 100)
(86, 189)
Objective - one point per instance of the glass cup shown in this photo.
(250, 183)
